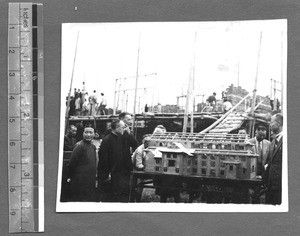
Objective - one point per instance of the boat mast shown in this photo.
(189, 94)
(193, 78)
(255, 86)
(136, 85)
(69, 94)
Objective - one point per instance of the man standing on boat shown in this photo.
(211, 100)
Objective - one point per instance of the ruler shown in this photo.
(25, 118)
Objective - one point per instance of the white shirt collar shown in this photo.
(278, 136)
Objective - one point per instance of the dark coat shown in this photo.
(69, 143)
(113, 161)
(82, 170)
(273, 174)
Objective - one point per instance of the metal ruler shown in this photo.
(25, 118)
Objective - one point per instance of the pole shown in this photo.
(189, 91)
(255, 85)
(275, 97)
(69, 95)
(193, 78)
(136, 84)
(238, 75)
(115, 94)
(282, 86)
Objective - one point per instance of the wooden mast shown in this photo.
(189, 92)
(193, 78)
(69, 94)
(136, 85)
(255, 87)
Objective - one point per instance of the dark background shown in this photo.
(61, 11)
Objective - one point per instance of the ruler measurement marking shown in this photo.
(20, 115)
(28, 15)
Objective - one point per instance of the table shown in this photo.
(217, 190)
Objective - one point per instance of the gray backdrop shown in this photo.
(60, 11)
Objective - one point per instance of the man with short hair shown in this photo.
(261, 146)
(128, 140)
(103, 104)
(273, 173)
(112, 162)
(159, 129)
(211, 100)
(69, 140)
(82, 169)
(227, 105)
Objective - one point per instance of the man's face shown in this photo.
(128, 120)
(242, 132)
(261, 133)
(120, 128)
(88, 134)
(73, 131)
(275, 125)
(146, 143)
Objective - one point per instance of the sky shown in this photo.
(221, 53)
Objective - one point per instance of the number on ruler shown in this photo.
(12, 213)
(26, 174)
(11, 74)
(11, 51)
(11, 97)
(12, 120)
(26, 114)
(11, 27)
(12, 144)
(13, 166)
(12, 190)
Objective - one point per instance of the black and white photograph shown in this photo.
(173, 117)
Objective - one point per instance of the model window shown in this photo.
(203, 171)
(212, 173)
(169, 155)
(177, 170)
(175, 155)
(212, 163)
(195, 162)
(203, 163)
(165, 169)
(157, 161)
(171, 163)
(222, 172)
(156, 168)
(231, 167)
(189, 162)
(253, 168)
(244, 170)
(194, 170)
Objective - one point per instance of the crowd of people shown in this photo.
(83, 104)
(119, 153)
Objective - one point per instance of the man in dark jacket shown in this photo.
(113, 162)
(82, 168)
(69, 140)
(273, 173)
(129, 142)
